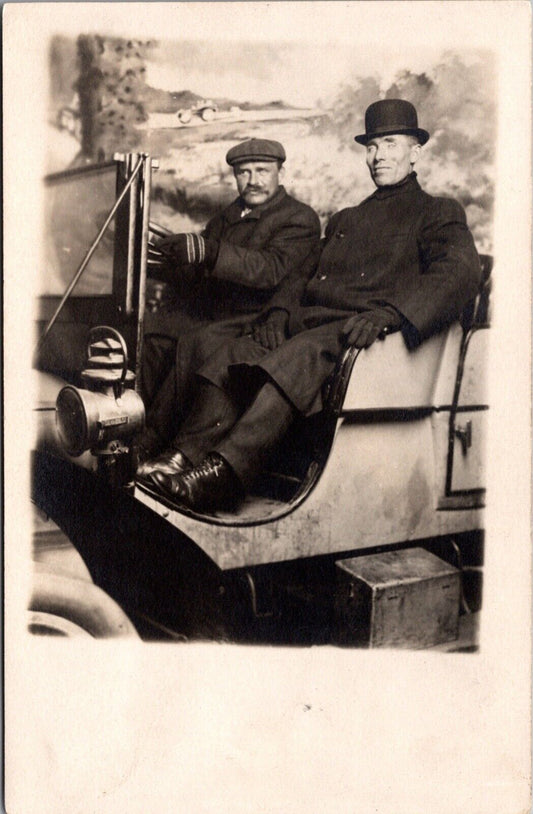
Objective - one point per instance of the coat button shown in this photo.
(322, 276)
(339, 234)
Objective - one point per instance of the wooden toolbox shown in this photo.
(407, 598)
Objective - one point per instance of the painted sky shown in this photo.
(298, 52)
(298, 73)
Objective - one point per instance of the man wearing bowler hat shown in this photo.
(242, 258)
(402, 260)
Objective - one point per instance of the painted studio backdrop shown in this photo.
(186, 103)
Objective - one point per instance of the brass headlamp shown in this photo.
(106, 414)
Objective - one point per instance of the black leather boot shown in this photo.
(211, 486)
(170, 462)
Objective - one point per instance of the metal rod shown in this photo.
(145, 198)
(87, 258)
(131, 237)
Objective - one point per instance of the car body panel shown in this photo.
(386, 475)
(388, 376)
(389, 496)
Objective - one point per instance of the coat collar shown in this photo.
(409, 184)
(234, 211)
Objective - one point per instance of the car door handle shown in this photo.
(464, 434)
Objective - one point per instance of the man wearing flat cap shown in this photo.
(261, 241)
(402, 260)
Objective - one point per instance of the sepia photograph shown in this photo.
(259, 396)
(207, 291)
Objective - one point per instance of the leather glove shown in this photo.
(272, 331)
(363, 329)
(187, 249)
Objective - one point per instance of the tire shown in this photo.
(208, 114)
(184, 116)
(62, 606)
(49, 624)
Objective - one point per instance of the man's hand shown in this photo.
(183, 249)
(363, 329)
(272, 331)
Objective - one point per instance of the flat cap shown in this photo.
(256, 149)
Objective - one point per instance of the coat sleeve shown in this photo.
(450, 272)
(290, 292)
(289, 246)
(289, 296)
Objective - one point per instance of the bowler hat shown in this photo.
(390, 116)
(256, 149)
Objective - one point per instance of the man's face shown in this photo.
(257, 181)
(390, 158)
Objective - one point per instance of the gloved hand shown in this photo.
(271, 331)
(363, 329)
(187, 249)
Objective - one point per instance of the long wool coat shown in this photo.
(401, 247)
(257, 250)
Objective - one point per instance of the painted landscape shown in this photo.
(103, 99)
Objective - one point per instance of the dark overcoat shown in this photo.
(400, 247)
(257, 249)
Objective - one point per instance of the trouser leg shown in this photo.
(165, 413)
(248, 445)
(211, 417)
(175, 396)
(158, 359)
(192, 352)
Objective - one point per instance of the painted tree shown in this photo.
(111, 88)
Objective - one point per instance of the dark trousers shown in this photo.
(169, 381)
(159, 353)
(244, 436)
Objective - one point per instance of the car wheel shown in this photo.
(62, 606)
